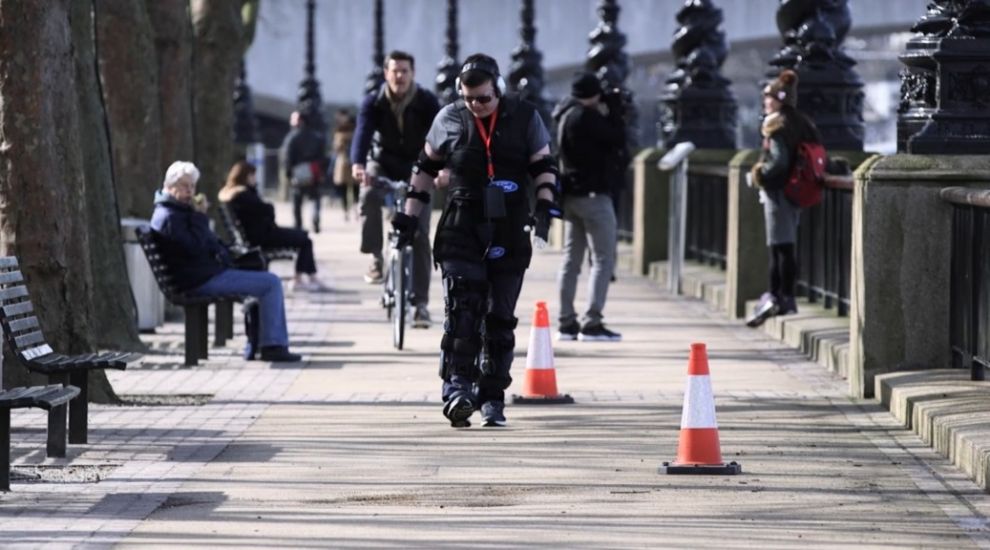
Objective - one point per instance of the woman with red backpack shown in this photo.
(785, 132)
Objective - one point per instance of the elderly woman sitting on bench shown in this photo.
(200, 264)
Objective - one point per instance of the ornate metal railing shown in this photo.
(824, 247)
(707, 214)
(969, 301)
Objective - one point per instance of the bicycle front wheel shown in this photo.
(399, 296)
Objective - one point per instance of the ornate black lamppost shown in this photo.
(526, 71)
(945, 86)
(310, 103)
(696, 104)
(448, 68)
(607, 59)
(245, 124)
(829, 90)
(377, 75)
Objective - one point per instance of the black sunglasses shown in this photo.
(481, 99)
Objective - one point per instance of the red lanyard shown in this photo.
(486, 138)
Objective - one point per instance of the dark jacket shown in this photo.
(782, 133)
(257, 217)
(587, 142)
(377, 136)
(189, 248)
(303, 144)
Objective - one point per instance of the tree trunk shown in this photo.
(42, 181)
(112, 302)
(219, 32)
(129, 74)
(174, 45)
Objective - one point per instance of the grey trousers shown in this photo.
(370, 203)
(589, 222)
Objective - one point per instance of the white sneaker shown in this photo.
(306, 286)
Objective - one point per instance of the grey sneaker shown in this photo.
(421, 317)
(374, 274)
(598, 333)
(493, 415)
(568, 331)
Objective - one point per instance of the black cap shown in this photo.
(586, 85)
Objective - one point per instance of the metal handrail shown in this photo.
(966, 196)
(676, 160)
(833, 181)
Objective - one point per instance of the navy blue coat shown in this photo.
(189, 248)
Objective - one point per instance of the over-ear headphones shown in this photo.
(487, 67)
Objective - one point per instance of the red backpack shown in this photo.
(804, 186)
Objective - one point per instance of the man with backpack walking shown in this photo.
(787, 134)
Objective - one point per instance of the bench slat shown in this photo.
(19, 308)
(29, 339)
(44, 397)
(8, 262)
(31, 354)
(26, 323)
(13, 293)
(10, 277)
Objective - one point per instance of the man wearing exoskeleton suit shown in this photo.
(496, 148)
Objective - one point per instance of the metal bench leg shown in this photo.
(5, 450)
(56, 421)
(79, 408)
(203, 312)
(192, 335)
(223, 322)
(229, 319)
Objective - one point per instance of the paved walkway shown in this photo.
(349, 448)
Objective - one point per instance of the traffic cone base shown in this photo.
(559, 399)
(540, 379)
(698, 449)
(730, 469)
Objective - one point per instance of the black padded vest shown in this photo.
(463, 232)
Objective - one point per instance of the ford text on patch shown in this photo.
(506, 185)
(496, 252)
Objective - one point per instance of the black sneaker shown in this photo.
(492, 412)
(279, 354)
(598, 333)
(458, 409)
(569, 331)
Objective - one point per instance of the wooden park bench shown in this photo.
(196, 307)
(233, 227)
(50, 398)
(23, 334)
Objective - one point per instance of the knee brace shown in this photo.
(465, 302)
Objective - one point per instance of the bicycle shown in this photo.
(398, 268)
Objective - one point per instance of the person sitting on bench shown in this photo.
(257, 219)
(200, 264)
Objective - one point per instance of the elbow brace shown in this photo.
(427, 165)
(545, 165)
(421, 196)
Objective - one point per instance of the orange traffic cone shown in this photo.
(698, 451)
(540, 383)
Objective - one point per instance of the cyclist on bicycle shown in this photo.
(391, 128)
(494, 147)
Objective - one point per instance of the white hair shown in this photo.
(178, 170)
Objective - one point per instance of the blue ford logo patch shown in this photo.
(506, 185)
(496, 252)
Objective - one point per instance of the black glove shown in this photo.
(545, 211)
(405, 227)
